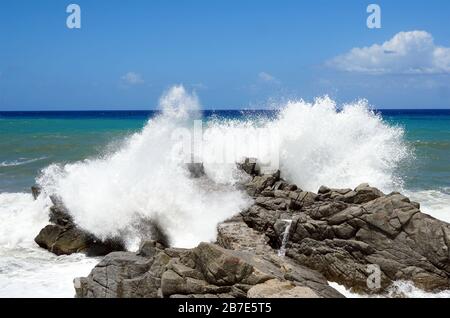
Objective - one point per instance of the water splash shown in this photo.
(145, 178)
(282, 250)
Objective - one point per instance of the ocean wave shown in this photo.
(433, 202)
(399, 289)
(21, 218)
(313, 144)
(144, 177)
(20, 162)
(33, 272)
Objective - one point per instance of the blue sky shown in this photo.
(234, 54)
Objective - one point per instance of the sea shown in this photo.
(112, 168)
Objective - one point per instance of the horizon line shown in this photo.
(149, 110)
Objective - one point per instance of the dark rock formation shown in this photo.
(36, 191)
(340, 232)
(196, 169)
(65, 240)
(64, 237)
(249, 166)
(205, 271)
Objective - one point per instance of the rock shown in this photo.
(119, 274)
(362, 194)
(205, 271)
(63, 237)
(249, 165)
(273, 203)
(323, 190)
(36, 191)
(151, 230)
(223, 267)
(150, 248)
(196, 169)
(59, 215)
(303, 198)
(277, 289)
(260, 183)
(238, 236)
(66, 240)
(342, 232)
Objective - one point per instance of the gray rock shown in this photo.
(278, 289)
(196, 169)
(36, 191)
(205, 271)
(65, 240)
(260, 183)
(119, 274)
(342, 231)
(249, 165)
(64, 237)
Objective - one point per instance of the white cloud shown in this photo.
(267, 78)
(411, 52)
(132, 78)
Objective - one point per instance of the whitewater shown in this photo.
(144, 177)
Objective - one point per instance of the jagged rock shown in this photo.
(205, 271)
(150, 248)
(150, 229)
(59, 215)
(63, 237)
(36, 191)
(66, 240)
(273, 203)
(196, 169)
(249, 165)
(323, 190)
(361, 194)
(342, 231)
(119, 274)
(260, 183)
(238, 236)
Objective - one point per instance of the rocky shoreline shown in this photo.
(289, 243)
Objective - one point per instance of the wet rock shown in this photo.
(150, 248)
(36, 191)
(196, 169)
(60, 216)
(342, 231)
(249, 165)
(65, 240)
(64, 237)
(260, 183)
(238, 236)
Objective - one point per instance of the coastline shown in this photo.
(354, 227)
(20, 209)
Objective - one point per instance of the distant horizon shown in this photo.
(206, 109)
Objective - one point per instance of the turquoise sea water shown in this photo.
(428, 133)
(30, 141)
